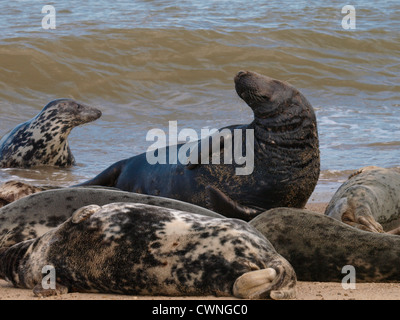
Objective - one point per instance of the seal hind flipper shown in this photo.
(223, 204)
(108, 177)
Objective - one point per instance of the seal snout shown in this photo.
(253, 88)
(86, 113)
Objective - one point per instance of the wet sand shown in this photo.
(305, 290)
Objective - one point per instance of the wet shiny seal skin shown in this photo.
(141, 249)
(286, 158)
(32, 216)
(42, 141)
(369, 200)
(318, 246)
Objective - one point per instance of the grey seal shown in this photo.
(14, 190)
(369, 200)
(42, 141)
(286, 158)
(318, 246)
(141, 249)
(33, 215)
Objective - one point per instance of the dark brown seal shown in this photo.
(286, 158)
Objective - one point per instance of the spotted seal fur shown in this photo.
(369, 200)
(42, 141)
(33, 215)
(13, 190)
(319, 246)
(286, 158)
(141, 249)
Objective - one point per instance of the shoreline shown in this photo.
(305, 290)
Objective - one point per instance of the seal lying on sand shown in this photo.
(286, 158)
(14, 190)
(369, 200)
(318, 246)
(42, 141)
(32, 216)
(147, 250)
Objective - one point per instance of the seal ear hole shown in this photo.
(84, 213)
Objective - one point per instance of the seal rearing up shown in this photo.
(42, 141)
(286, 158)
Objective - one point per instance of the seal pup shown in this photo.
(42, 141)
(369, 200)
(286, 158)
(141, 249)
(32, 216)
(318, 246)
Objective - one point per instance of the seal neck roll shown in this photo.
(39, 123)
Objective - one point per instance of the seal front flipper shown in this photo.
(223, 204)
(353, 214)
(107, 178)
(39, 291)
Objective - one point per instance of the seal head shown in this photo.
(263, 94)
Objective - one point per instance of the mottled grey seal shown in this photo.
(318, 246)
(141, 249)
(369, 200)
(36, 214)
(42, 141)
(14, 190)
(286, 158)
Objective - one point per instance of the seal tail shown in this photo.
(107, 178)
(276, 282)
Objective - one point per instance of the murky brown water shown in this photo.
(144, 63)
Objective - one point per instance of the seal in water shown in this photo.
(42, 141)
(369, 200)
(32, 216)
(286, 158)
(141, 249)
(318, 246)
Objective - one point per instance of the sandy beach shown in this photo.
(305, 290)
